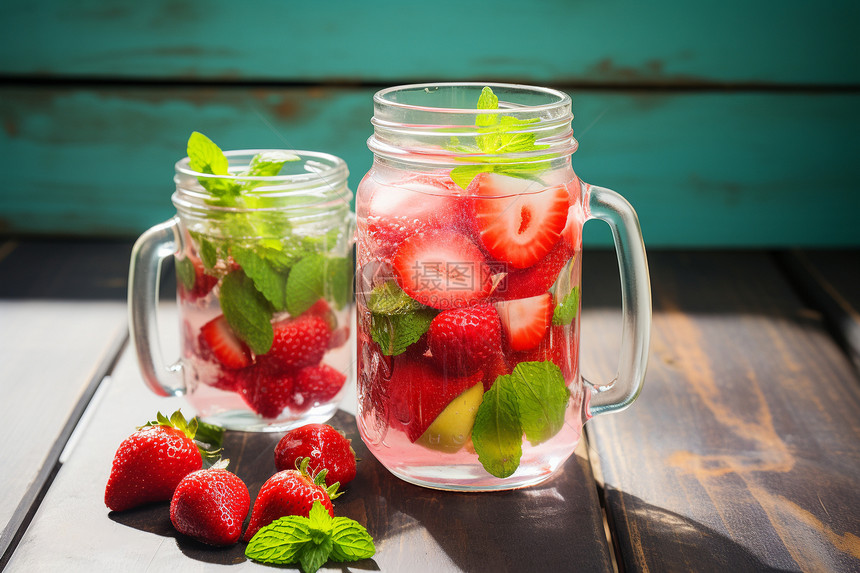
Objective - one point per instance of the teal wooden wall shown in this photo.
(725, 123)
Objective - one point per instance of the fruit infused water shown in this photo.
(467, 292)
(264, 285)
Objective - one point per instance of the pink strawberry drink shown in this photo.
(469, 258)
(264, 286)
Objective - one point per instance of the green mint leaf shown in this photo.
(247, 311)
(542, 398)
(208, 434)
(396, 332)
(266, 164)
(350, 541)
(497, 434)
(267, 280)
(338, 285)
(306, 284)
(487, 100)
(206, 157)
(389, 298)
(464, 174)
(319, 522)
(185, 272)
(281, 541)
(313, 555)
(208, 252)
(565, 312)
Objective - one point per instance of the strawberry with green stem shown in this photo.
(150, 463)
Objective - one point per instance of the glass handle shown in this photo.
(144, 278)
(609, 206)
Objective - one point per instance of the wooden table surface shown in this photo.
(742, 453)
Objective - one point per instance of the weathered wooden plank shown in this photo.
(701, 169)
(542, 528)
(743, 451)
(829, 281)
(667, 42)
(53, 354)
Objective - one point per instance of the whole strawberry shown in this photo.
(150, 463)
(211, 505)
(299, 342)
(315, 385)
(326, 447)
(463, 340)
(290, 492)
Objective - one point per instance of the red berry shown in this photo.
(419, 203)
(526, 320)
(217, 337)
(266, 388)
(518, 222)
(322, 309)
(299, 342)
(315, 385)
(442, 269)
(326, 447)
(289, 492)
(559, 346)
(537, 279)
(210, 506)
(149, 464)
(462, 340)
(495, 367)
(418, 393)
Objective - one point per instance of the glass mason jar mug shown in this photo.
(469, 236)
(264, 290)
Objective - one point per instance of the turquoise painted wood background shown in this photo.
(724, 123)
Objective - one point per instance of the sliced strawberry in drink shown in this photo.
(418, 203)
(442, 269)
(537, 279)
(418, 394)
(526, 320)
(518, 221)
(217, 337)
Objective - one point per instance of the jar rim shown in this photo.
(562, 98)
(336, 167)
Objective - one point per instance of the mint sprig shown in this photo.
(247, 311)
(397, 320)
(497, 135)
(566, 310)
(311, 541)
(532, 399)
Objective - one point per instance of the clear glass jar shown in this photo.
(469, 236)
(264, 289)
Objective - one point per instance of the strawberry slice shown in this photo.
(537, 279)
(217, 336)
(517, 221)
(442, 269)
(418, 394)
(526, 320)
(418, 203)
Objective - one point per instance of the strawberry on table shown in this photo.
(518, 221)
(537, 279)
(442, 269)
(315, 385)
(326, 447)
(217, 338)
(299, 342)
(150, 463)
(289, 492)
(464, 340)
(211, 505)
(525, 321)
